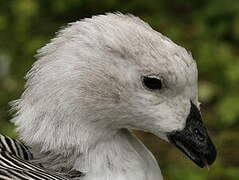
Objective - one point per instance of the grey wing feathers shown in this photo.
(15, 147)
(14, 164)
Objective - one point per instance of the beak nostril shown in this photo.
(199, 135)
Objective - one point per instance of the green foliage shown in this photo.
(208, 28)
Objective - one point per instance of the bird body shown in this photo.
(98, 79)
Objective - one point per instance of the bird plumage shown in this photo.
(14, 163)
(85, 92)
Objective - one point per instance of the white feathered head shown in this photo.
(106, 73)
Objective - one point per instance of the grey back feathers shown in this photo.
(14, 163)
(15, 147)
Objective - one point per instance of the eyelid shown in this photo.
(153, 76)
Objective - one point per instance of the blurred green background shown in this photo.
(208, 28)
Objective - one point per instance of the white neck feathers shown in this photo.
(122, 157)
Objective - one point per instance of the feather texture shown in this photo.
(14, 163)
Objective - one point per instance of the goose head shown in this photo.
(107, 73)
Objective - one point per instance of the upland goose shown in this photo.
(98, 79)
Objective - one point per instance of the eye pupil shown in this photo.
(152, 83)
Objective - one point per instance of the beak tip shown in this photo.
(206, 165)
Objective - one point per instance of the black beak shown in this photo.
(194, 141)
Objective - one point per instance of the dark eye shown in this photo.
(152, 82)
